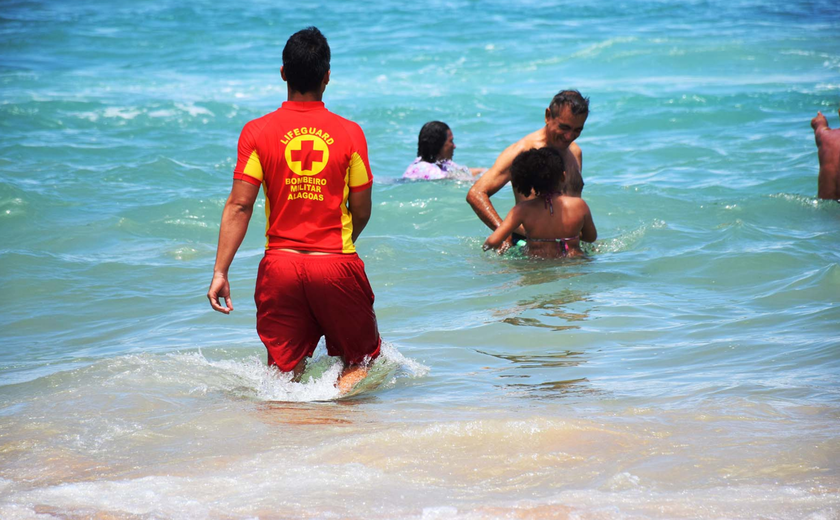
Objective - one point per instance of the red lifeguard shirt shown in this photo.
(308, 160)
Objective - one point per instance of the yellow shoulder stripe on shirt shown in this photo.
(346, 218)
(253, 168)
(357, 173)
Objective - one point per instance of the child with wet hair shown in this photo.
(554, 223)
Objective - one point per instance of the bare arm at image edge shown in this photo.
(828, 153)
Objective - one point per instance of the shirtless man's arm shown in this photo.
(489, 184)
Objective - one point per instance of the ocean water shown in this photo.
(689, 368)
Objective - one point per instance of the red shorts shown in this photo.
(302, 297)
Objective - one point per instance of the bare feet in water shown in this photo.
(350, 377)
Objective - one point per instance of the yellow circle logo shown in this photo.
(307, 155)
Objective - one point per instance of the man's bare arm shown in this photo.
(360, 205)
(489, 184)
(235, 218)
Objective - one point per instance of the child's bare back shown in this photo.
(554, 223)
(557, 234)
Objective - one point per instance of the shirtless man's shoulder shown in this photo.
(533, 140)
(577, 153)
(499, 174)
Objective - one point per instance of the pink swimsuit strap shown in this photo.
(562, 243)
(548, 203)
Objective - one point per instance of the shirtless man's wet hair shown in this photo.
(571, 98)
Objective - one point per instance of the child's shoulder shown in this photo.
(575, 203)
(571, 199)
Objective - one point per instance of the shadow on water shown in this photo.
(535, 375)
(546, 274)
(547, 360)
(557, 389)
(549, 306)
(542, 368)
(335, 413)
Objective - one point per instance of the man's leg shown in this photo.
(341, 300)
(350, 377)
(285, 322)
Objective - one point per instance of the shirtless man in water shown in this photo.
(828, 152)
(564, 120)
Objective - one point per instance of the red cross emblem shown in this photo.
(307, 155)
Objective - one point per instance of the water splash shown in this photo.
(250, 377)
(624, 241)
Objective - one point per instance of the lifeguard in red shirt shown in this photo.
(313, 168)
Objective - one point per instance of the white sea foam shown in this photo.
(193, 110)
(121, 112)
(626, 240)
(162, 113)
(252, 378)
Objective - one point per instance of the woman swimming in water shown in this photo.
(435, 149)
(554, 223)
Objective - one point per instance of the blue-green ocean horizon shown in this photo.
(687, 368)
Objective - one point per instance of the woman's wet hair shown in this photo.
(306, 60)
(431, 140)
(540, 170)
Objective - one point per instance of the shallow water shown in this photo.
(688, 368)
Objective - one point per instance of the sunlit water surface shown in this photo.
(688, 368)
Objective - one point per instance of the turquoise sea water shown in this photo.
(688, 368)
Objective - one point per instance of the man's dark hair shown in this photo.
(306, 59)
(431, 140)
(538, 169)
(571, 98)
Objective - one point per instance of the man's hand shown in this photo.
(235, 217)
(220, 291)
